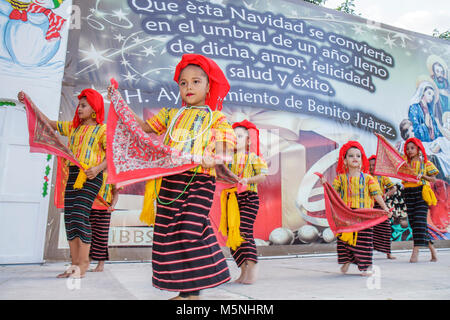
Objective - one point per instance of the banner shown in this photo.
(310, 78)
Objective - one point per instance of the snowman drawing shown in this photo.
(21, 8)
(32, 33)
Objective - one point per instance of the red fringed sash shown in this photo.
(390, 163)
(134, 155)
(344, 219)
(43, 139)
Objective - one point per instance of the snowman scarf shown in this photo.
(55, 22)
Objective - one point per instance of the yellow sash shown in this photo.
(349, 237)
(81, 178)
(149, 208)
(230, 219)
(428, 195)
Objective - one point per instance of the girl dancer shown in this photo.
(251, 170)
(186, 256)
(382, 231)
(87, 140)
(419, 196)
(358, 190)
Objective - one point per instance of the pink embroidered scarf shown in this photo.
(390, 163)
(43, 139)
(132, 154)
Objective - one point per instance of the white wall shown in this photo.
(23, 207)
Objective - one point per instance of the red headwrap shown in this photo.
(351, 144)
(95, 100)
(419, 145)
(218, 83)
(372, 157)
(253, 134)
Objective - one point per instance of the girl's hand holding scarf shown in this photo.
(91, 173)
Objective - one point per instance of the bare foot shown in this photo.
(100, 267)
(243, 275)
(345, 267)
(69, 271)
(252, 272)
(415, 255)
(433, 253)
(77, 275)
(366, 273)
(84, 267)
(390, 256)
(179, 298)
(194, 297)
(65, 274)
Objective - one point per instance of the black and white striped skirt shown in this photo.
(382, 235)
(100, 222)
(78, 205)
(360, 254)
(248, 202)
(417, 210)
(186, 255)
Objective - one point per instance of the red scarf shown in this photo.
(134, 155)
(43, 139)
(389, 162)
(341, 218)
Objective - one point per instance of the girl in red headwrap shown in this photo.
(186, 256)
(382, 231)
(250, 169)
(357, 189)
(419, 196)
(87, 140)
